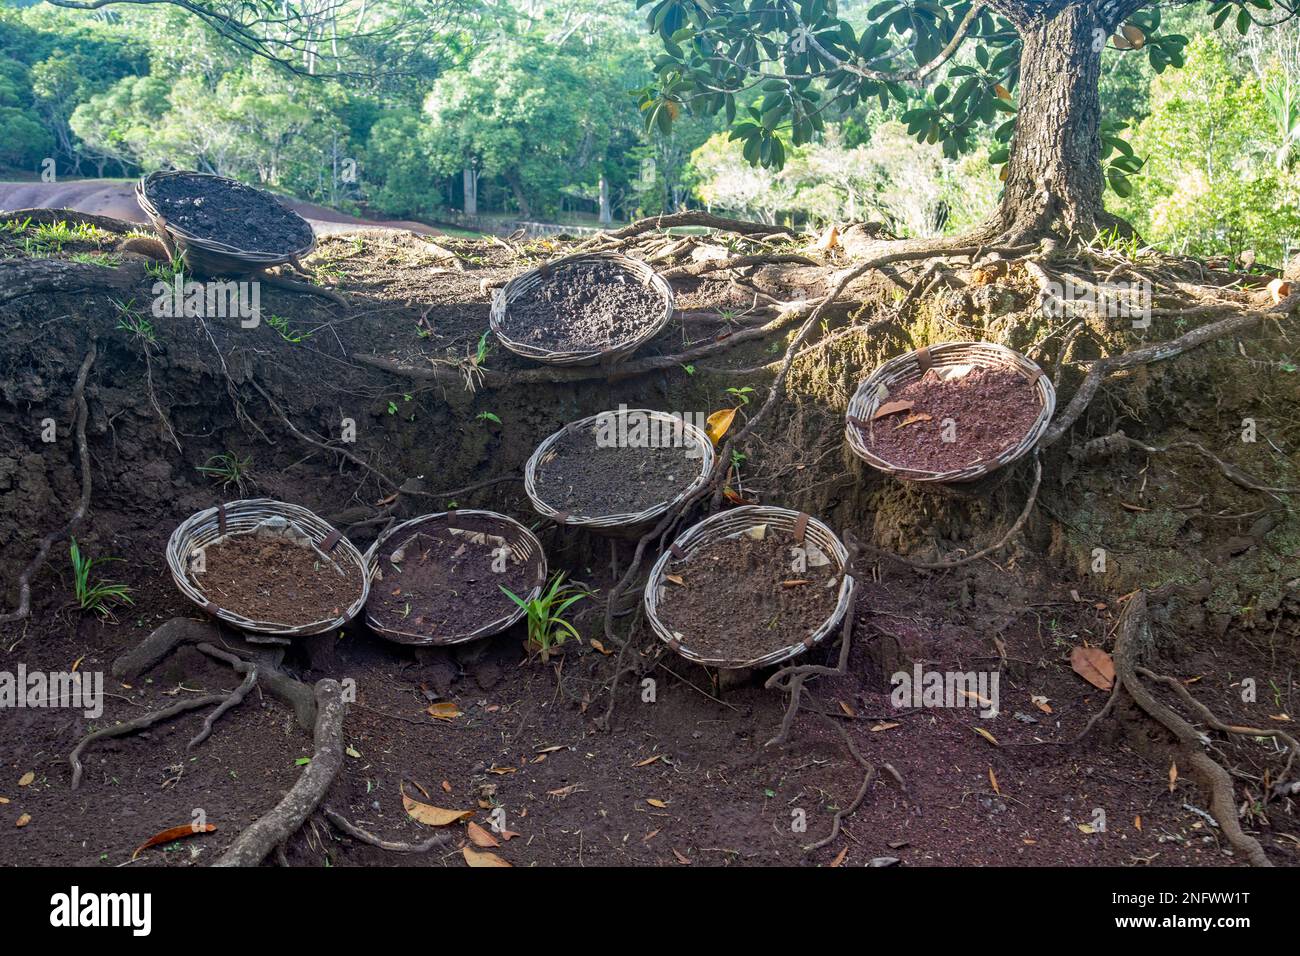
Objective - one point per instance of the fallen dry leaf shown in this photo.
(681, 858)
(22, 821)
(1094, 665)
(171, 834)
(913, 419)
(478, 836)
(993, 781)
(600, 647)
(26, 779)
(719, 423)
(887, 725)
(1137, 823)
(1041, 703)
(444, 710)
(675, 578)
(482, 858)
(839, 857)
(848, 711)
(433, 816)
(892, 408)
(986, 735)
(1173, 776)
(648, 761)
(657, 803)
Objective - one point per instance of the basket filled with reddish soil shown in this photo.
(582, 310)
(220, 225)
(438, 579)
(617, 471)
(749, 587)
(950, 413)
(269, 567)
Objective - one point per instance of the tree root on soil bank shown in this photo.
(392, 846)
(271, 830)
(80, 413)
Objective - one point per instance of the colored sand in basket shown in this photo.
(939, 423)
(228, 212)
(740, 598)
(585, 476)
(273, 580)
(581, 307)
(446, 582)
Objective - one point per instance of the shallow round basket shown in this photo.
(523, 545)
(904, 369)
(527, 281)
(204, 528)
(205, 256)
(682, 433)
(729, 524)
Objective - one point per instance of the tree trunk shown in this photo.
(606, 217)
(469, 178)
(1054, 181)
(517, 187)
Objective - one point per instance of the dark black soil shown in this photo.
(992, 410)
(273, 580)
(229, 212)
(444, 579)
(584, 476)
(741, 598)
(582, 307)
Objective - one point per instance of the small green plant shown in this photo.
(229, 469)
(96, 259)
(133, 321)
(547, 626)
(15, 228)
(488, 417)
(741, 394)
(392, 408)
(688, 369)
(166, 271)
(48, 238)
(481, 353)
(281, 325)
(101, 595)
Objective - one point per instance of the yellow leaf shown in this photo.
(993, 780)
(600, 647)
(1086, 828)
(1001, 92)
(1004, 172)
(445, 710)
(887, 725)
(648, 761)
(22, 821)
(433, 816)
(719, 423)
(1137, 823)
(478, 836)
(675, 578)
(26, 779)
(986, 735)
(657, 803)
(1173, 776)
(482, 858)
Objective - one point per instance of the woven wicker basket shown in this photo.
(205, 256)
(728, 524)
(684, 433)
(520, 284)
(523, 545)
(205, 528)
(904, 369)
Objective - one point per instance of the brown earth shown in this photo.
(682, 777)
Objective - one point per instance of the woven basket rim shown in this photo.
(253, 256)
(627, 519)
(520, 283)
(735, 521)
(907, 367)
(181, 545)
(495, 626)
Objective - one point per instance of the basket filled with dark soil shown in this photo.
(749, 587)
(582, 310)
(438, 579)
(617, 471)
(222, 226)
(269, 567)
(950, 413)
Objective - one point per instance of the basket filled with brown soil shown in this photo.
(950, 413)
(617, 471)
(749, 587)
(269, 567)
(582, 310)
(438, 579)
(222, 226)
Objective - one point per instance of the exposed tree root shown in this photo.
(143, 722)
(80, 414)
(1131, 633)
(306, 288)
(234, 699)
(691, 217)
(24, 277)
(868, 777)
(393, 846)
(1116, 442)
(260, 839)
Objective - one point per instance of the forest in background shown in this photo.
(529, 110)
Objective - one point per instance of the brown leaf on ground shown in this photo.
(482, 858)
(433, 816)
(480, 837)
(1094, 665)
(171, 834)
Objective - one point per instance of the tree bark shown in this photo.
(1054, 182)
(517, 187)
(469, 178)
